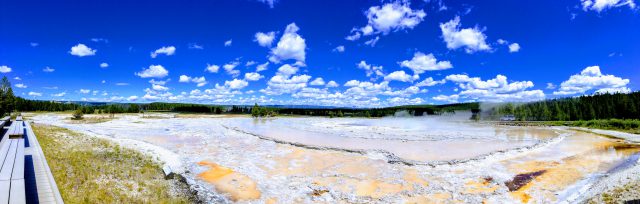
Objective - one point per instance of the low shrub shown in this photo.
(77, 115)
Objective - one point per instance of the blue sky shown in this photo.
(337, 53)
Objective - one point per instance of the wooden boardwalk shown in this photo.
(39, 184)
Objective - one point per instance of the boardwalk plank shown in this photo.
(17, 192)
(4, 148)
(7, 167)
(18, 166)
(4, 191)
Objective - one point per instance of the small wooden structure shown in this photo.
(16, 130)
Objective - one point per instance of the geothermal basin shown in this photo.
(413, 140)
(383, 160)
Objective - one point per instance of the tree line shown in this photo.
(588, 107)
(414, 110)
(183, 107)
(37, 105)
(9, 103)
(599, 106)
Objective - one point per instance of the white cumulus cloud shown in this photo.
(154, 71)
(451, 99)
(514, 47)
(281, 84)
(472, 39)
(317, 82)
(372, 42)
(497, 89)
(48, 69)
(22, 86)
(591, 78)
(104, 65)
(421, 63)
(31, 93)
(390, 17)
(184, 79)
(236, 84)
(153, 81)
(601, 5)
(170, 50)
(265, 39)
(61, 94)
(82, 50)
(332, 84)
(262, 67)
(250, 63)
(400, 76)
(159, 87)
(290, 47)
(230, 68)
(270, 3)
(287, 70)
(370, 69)
(5, 69)
(252, 76)
(199, 81)
(351, 83)
(212, 68)
(430, 82)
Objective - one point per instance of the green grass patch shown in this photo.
(630, 126)
(94, 170)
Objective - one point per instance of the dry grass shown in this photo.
(93, 170)
(628, 192)
(90, 120)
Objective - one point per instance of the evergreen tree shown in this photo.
(255, 111)
(7, 99)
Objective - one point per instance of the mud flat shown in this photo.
(322, 160)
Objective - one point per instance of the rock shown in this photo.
(168, 174)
